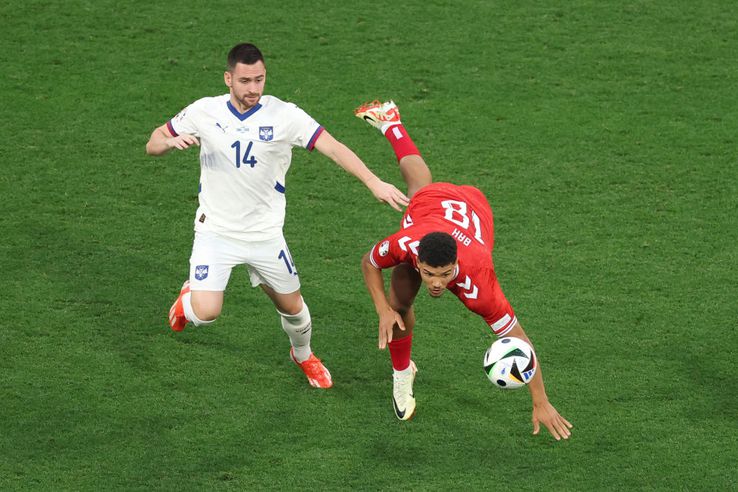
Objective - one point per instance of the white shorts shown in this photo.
(269, 262)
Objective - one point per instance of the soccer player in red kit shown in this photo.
(445, 242)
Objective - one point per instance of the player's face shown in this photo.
(246, 83)
(436, 278)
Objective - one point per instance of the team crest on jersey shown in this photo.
(266, 133)
(201, 272)
(384, 248)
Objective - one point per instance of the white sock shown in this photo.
(405, 372)
(190, 313)
(299, 328)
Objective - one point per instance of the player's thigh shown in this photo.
(270, 263)
(404, 285)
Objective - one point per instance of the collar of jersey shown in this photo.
(243, 116)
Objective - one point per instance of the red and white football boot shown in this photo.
(379, 114)
(317, 374)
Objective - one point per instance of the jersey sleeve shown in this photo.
(483, 295)
(185, 121)
(501, 317)
(392, 250)
(304, 130)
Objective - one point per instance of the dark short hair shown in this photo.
(244, 53)
(437, 249)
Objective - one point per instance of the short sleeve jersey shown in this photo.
(244, 158)
(464, 213)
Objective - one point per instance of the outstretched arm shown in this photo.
(162, 141)
(387, 316)
(345, 157)
(543, 412)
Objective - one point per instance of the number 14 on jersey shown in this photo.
(248, 159)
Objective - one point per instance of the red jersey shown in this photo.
(464, 213)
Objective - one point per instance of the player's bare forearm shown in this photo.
(350, 162)
(157, 144)
(543, 412)
(161, 141)
(374, 284)
(344, 157)
(388, 317)
(535, 386)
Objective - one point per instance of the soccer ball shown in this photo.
(510, 363)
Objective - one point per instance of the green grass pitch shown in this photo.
(604, 134)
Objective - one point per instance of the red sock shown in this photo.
(400, 349)
(401, 142)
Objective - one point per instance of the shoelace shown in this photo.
(403, 384)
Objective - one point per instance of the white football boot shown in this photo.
(378, 114)
(403, 399)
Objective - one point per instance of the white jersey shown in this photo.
(244, 158)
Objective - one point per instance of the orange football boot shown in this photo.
(177, 319)
(317, 374)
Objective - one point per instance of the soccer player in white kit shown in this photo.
(246, 141)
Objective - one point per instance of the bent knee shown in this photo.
(205, 314)
(207, 306)
(291, 307)
(403, 309)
